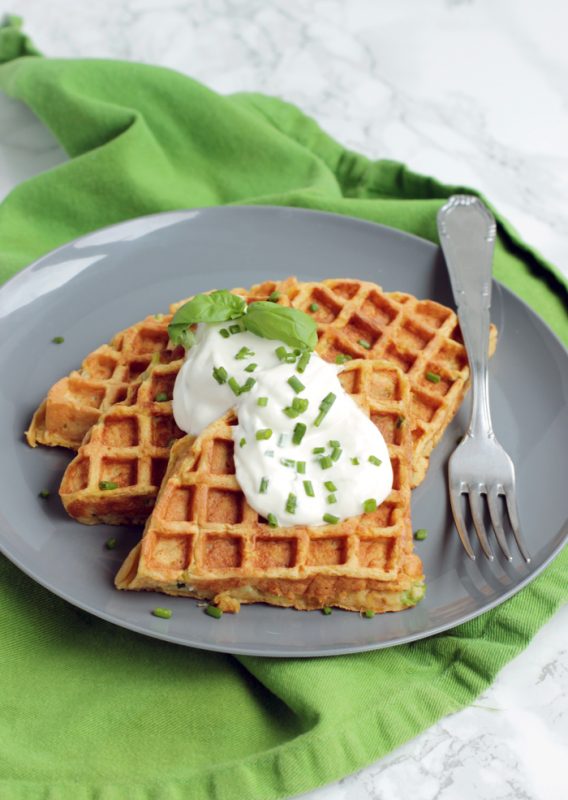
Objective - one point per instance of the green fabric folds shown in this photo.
(88, 710)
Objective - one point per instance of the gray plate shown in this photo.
(90, 288)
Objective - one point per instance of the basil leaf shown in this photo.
(289, 325)
(218, 306)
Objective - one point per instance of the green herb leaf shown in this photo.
(289, 325)
(218, 306)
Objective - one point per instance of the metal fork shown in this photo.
(479, 465)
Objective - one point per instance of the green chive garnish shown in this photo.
(220, 374)
(326, 611)
(314, 307)
(334, 443)
(330, 519)
(263, 433)
(247, 385)
(213, 611)
(291, 412)
(374, 460)
(317, 450)
(364, 343)
(234, 386)
(272, 521)
(299, 431)
(161, 397)
(335, 453)
(111, 543)
(355, 462)
(303, 361)
(235, 329)
(263, 486)
(369, 614)
(324, 407)
(273, 297)
(399, 422)
(291, 503)
(341, 358)
(369, 506)
(163, 613)
(301, 467)
(330, 486)
(224, 333)
(44, 494)
(262, 402)
(104, 485)
(432, 377)
(326, 462)
(288, 462)
(281, 353)
(309, 489)
(331, 498)
(300, 404)
(421, 534)
(58, 340)
(296, 384)
(243, 353)
(242, 442)
(251, 367)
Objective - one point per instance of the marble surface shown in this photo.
(471, 91)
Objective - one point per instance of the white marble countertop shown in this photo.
(470, 91)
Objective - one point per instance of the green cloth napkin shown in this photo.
(88, 710)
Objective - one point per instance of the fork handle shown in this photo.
(467, 233)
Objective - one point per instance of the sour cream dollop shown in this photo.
(305, 453)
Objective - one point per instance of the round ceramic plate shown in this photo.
(103, 282)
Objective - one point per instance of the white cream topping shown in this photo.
(269, 470)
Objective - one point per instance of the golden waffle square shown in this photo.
(203, 539)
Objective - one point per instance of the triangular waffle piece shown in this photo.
(203, 539)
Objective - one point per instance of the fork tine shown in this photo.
(460, 525)
(476, 513)
(514, 517)
(496, 522)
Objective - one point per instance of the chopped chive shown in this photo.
(326, 611)
(300, 404)
(314, 307)
(282, 439)
(299, 431)
(161, 397)
(369, 506)
(317, 450)
(374, 460)
(334, 443)
(432, 377)
(309, 489)
(243, 353)
(326, 462)
(288, 462)
(247, 385)
(263, 486)
(421, 534)
(272, 521)
(324, 407)
(336, 453)
(330, 519)
(273, 297)
(331, 499)
(364, 343)
(303, 361)
(263, 433)
(251, 367)
(213, 611)
(58, 340)
(234, 386)
(296, 384)
(290, 358)
(291, 412)
(369, 614)
(355, 462)
(341, 358)
(44, 494)
(330, 486)
(220, 374)
(111, 543)
(235, 329)
(242, 442)
(163, 613)
(224, 333)
(301, 467)
(104, 485)
(399, 422)
(291, 503)
(281, 353)
(262, 402)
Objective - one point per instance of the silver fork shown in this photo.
(479, 465)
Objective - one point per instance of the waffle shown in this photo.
(203, 539)
(112, 374)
